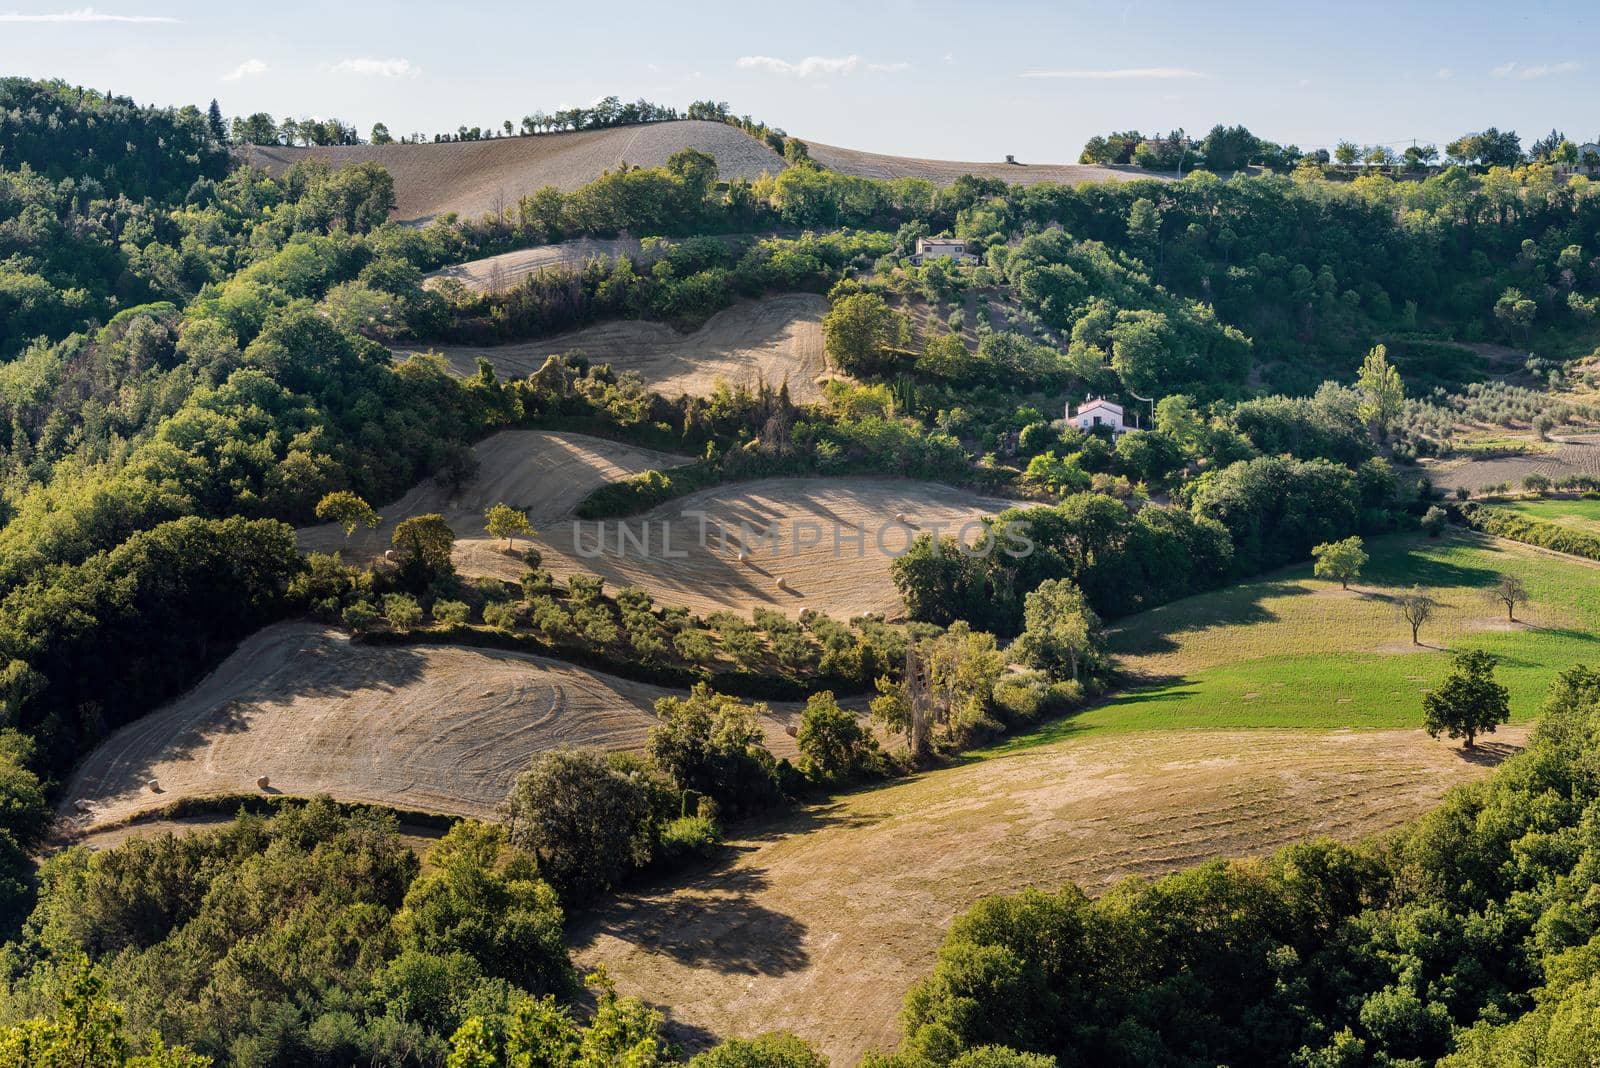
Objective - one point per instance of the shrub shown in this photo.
(1434, 520)
(689, 836)
(451, 613)
(500, 616)
(360, 616)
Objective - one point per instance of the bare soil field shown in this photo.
(498, 273)
(943, 172)
(820, 924)
(775, 339)
(432, 728)
(788, 523)
(1578, 454)
(472, 178)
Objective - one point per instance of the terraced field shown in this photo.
(820, 924)
(773, 340)
(435, 728)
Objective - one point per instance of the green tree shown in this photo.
(85, 1031)
(833, 744)
(348, 510)
(1060, 631)
(424, 544)
(402, 611)
(585, 821)
(712, 744)
(778, 1050)
(858, 329)
(1469, 701)
(504, 521)
(1383, 394)
(1342, 560)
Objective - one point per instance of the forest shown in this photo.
(195, 355)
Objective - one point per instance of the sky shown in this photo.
(943, 80)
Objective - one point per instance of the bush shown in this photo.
(1434, 520)
(402, 611)
(689, 836)
(500, 616)
(360, 616)
(451, 613)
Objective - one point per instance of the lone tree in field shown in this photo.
(504, 521)
(1469, 701)
(348, 510)
(1342, 560)
(423, 545)
(1510, 592)
(1416, 608)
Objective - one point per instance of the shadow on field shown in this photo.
(1238, 606)
(1488, 753)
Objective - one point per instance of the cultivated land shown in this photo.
(498, 273)
(1576, 455)
(1578, 513)
(432, 728)
(774, 340)
(547, 474)
(472, 178)
(820, 924)
(943, 172)
(1293, 651)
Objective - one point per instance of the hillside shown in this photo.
(473, 177)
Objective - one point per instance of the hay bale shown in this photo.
(783, 584)
(792, 731)
(82, 806)
(263, 782)
(899, 517)
(154, 785)
(744, 556)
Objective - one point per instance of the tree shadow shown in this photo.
(1237, 606)
(1486, 753)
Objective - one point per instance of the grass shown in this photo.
(1289, 650)
(1580, 513)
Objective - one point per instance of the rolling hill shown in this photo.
(473, 177)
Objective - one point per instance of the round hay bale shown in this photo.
(792, 731)
(783, 583)
(744, 556)
(82, 806)
(388, 554)
(899, 517)
(154, 785)
(263, 782)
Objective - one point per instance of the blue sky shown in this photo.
(948, 80)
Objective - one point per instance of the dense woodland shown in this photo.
(193, 357)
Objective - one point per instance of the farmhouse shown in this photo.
(933, 247)
(1096, 412)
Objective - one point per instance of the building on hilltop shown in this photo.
(933, 247)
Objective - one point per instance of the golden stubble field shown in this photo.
(775, 340)
(829, 540)
(821, 923)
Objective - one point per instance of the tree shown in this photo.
(777, 1050)
(214, 123)
(584, 820)
(712, 744)
(1383, 394)
(1416, 607)
(402, 611)
(1060, 630)
(858, 329)
(1342, 560)
(1509, 591)
(1469, 701)
(87, 1029)
(424, 544)
(1346, 153)
(381, 135)
(504, 521)
(833, 745)
(348, 510)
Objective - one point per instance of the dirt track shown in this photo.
(472, 178)
(777, 339)
(820, 925)
(436, 728)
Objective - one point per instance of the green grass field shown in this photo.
(1290, 650)
(1574, 512)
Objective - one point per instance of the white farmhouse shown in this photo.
(933, 247)
(1096, 412)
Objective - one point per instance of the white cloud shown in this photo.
(1443, 74)
(812, 66)
(1117, 75)
(85, 14)
(1538, 70)
(949, 57)
(246, 69)
(386, 68)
